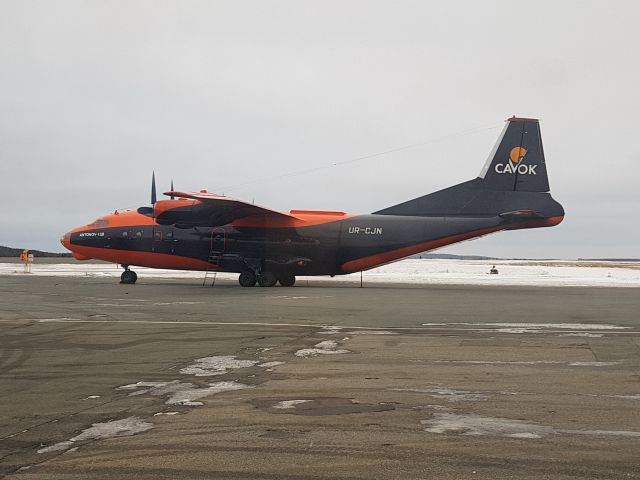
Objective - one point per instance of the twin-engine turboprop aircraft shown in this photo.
(209, 232)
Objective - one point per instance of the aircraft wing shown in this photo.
(213, 210)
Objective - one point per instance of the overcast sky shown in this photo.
(233, 96)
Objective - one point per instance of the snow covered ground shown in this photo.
(411, 271)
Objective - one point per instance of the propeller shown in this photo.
(153, 188)
(172, 196)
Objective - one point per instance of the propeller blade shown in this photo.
(172, 196)
(153, 188)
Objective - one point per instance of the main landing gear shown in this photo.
(128, 277)
(265, 279)
(287, 280)
(247, 279)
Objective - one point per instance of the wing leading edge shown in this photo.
(210, 209)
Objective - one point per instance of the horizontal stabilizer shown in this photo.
(520, 215)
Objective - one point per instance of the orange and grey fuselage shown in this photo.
(202, 231)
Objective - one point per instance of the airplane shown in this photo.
(210, 232)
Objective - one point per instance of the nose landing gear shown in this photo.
(128, 277)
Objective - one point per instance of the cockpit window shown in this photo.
(100, 222)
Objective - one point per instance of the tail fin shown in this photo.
(516, 163)
(512, 184)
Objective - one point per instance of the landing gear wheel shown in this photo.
(287, 280)
(267, 279)
(247, 279)
(128, 277)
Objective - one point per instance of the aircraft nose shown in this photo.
(78, 251)
(65, 240)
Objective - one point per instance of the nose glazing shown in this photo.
(65, 240)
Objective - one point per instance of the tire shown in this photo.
(247, 279)
(267, 279)
(287, 280)
(128, 277)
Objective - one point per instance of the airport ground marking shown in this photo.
(303, 325)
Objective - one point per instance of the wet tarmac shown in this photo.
(169, 379)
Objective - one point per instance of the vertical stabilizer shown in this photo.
(517, 163)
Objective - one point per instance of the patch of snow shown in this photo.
(479, 425)
(566, 326)
(524, 435)
(116, 428)
(330, 330)
(56, 447)
(165, 413)
(625, 397)
(409, 271)
(135, 386)
(286, 404)
(583, 329)
(179, 393)
(449, 394)
(529, 362)
(501, 362)
(217, 365)
(371, 332)
(469, 424)
(176, 303)
(517, 330)
(58, 319)
(91, 397)
(327, 347)
(593, 364)
(584, 334)
(188, 393)
(270, 364)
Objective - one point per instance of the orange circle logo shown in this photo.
(517, 154)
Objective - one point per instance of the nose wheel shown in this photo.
(128, 277)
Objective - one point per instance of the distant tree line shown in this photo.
(15, 252)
